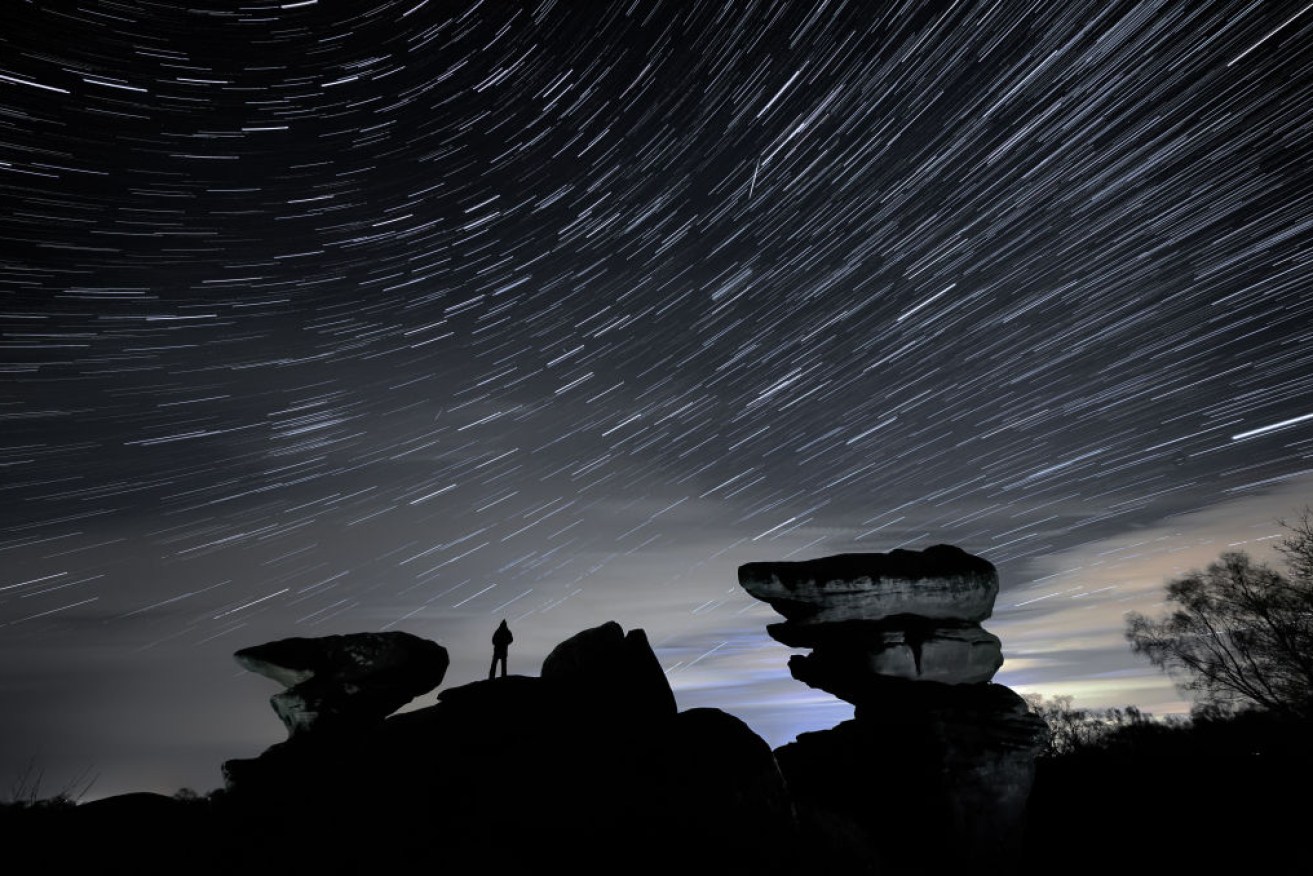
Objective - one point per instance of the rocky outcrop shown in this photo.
(607, 663)
(934, 771)
(345, 682)
(723, 793)
(850, 655)
(940, 583)
(869, 617)
(935, 779)
(588, 769)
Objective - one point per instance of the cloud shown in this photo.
(1063, 632)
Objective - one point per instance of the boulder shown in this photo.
(617, 668)
(942, 582)
(869, 618)
(906, 649)
(952, 655)
(720, 791)
(340, 682)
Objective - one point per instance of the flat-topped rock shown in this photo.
(346, 680)
(941, 583)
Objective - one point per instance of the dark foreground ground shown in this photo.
(1230, 796)
(1218, 797)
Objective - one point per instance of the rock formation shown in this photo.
(591, 770)
(605, 662)
(871, 617)
(587, 769)
(936, 766)
(340, 682)
(942, 582)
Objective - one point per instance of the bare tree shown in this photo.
(1073, 730)
(1240, 632)
(1297, 548)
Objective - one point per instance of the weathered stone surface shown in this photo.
(619, 667)
(915, 650)
(942, 583)
(952, 655)
(346, 681)
(869, 618)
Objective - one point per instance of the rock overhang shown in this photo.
(942, 582)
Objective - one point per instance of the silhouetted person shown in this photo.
(501, 643)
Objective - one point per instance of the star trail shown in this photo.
(322, 317)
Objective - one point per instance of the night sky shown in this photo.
(324, 317)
